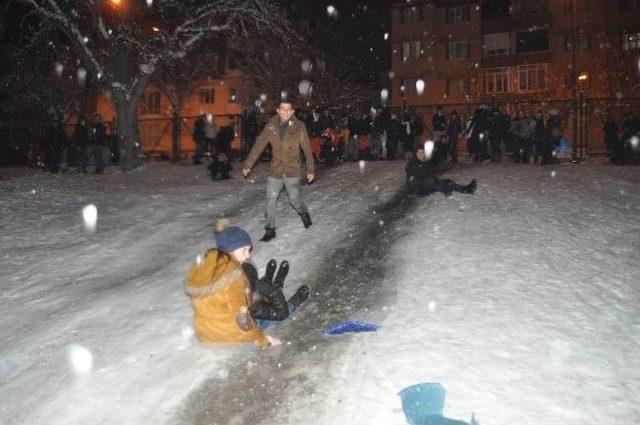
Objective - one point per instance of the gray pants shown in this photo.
(274, 187)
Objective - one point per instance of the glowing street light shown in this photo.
(116, 3)
(155, 29)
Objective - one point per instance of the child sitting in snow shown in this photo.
(227, 295)
(220, 167)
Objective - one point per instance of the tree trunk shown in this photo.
(175, 138)
(129, 142)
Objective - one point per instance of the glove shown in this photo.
(264, 285)
(267, 285)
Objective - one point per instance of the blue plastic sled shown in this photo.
(350, 326)
(423, 404)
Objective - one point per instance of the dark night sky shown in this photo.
(354, 34)
(356, 31)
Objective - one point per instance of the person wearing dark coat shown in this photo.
(394, 129)
(52, 145)
(406, 132)
(81, 143)
(478, 140)
(454, 130)
(249, 131)
(439, 123)
(198, 138)
(315, 123)
(498, 128)
(220, 166)
(98, 142)
(224, 139)
(538, 136)
(422, 180)
(611, 132)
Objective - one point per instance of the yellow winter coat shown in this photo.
(219, 290)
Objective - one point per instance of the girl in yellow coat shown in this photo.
(220, 291)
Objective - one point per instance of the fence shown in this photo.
(157, 135)
(591, 114)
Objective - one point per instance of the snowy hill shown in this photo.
(522, 300)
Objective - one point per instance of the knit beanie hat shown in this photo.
(230, 238)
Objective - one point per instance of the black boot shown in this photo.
(299, 297)
(269, 234)
(306, 220)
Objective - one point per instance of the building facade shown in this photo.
(220, 91)
(519, 54)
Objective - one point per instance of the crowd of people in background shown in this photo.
(88, 140)
(489, 134)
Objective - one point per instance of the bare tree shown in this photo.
(318, 78)
(122, 44)
(178, 79)
(37, 86)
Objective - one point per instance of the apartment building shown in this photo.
(220, 91)
(517, 53)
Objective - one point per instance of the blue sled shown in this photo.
(350, 326)
(423, 405)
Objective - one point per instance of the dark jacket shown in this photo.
(81, 135)
(285, 159)
(421, 169)
(439, 122)
(455, 128)
(99, 134)
(224, 138)
(198, 130)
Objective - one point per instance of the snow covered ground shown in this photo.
(523, 300)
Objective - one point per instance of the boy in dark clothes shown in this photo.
(422, 180)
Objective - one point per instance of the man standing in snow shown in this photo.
(198, 138)
(98, 141)
(439, 122)
(287, 136)
(421, 176)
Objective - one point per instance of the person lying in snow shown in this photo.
(222, 296)
(422, 180)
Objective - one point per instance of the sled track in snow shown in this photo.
(256, 385)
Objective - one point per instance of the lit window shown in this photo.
(496, 80)
(458, 14)
(532, 77)
(497, 44)
(411, 15)
(582, 43)
(411, 50)
(408, 87)
(631, 41)
(457, 86)
(207, 95)
(458, 49)
(150, 103)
